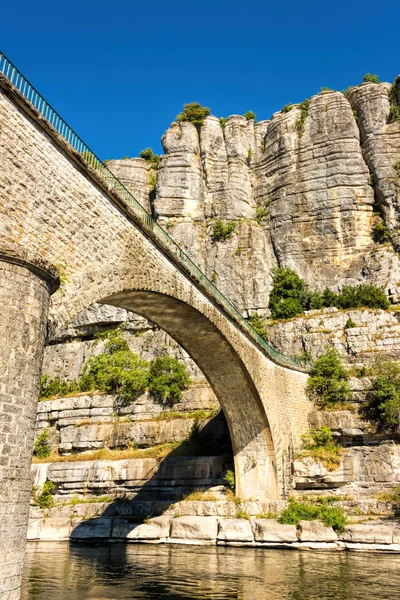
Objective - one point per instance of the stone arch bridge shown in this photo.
(70, 236)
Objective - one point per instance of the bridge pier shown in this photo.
(25, 288)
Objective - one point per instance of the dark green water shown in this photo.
(58, 571)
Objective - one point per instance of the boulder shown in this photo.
(316, 531)
(194, 528)
(152, 529)
(92, 529)
(235, 530)
(368, 533)
(269, 530)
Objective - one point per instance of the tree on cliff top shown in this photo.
(193, 113)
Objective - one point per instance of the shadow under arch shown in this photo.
(254, 455)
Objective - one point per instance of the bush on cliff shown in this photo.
(167, 379)
(383, 399)
(148, 155)
(194, 113)
(328, 384)
(319, 444)
(44, 498)
(42, 448)
(370, 78)
(259, 325)
(250, 115)
(222, 232)
(301, 510)
(288, 294)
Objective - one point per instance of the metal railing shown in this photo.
(20, 83)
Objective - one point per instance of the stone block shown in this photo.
(194, 528)
(316, 531)
(368, 533)
(269, 530)
(235, 530)
(92, 529)
(153, 529)
(51, 529)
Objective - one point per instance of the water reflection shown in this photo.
(107, 572)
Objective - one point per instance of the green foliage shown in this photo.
(230, 480)
(261, 214)
(288, 293)
(222, 122)
(326, 89)
(303, 107)
(259, 325)
(396, 167)
(383, 399)
(370, 78)
(298, 511)
(167, 378)
(42, 448)
(328, 384)
(381, 234)
(350, 324)
(148, 155)
(55, 387)
(319, 444)
(222, 232)
(241, 514)
(249, 155)
(287, 108)
(362, 296)
(394, 114)
(372, 180)
(249, 115)
(44, 497)
(194, 113)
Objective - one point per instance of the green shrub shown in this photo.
(222, 122)
(350, 324)
(370, 78)
(362, 296)
(241, 514)
(320, 444)
(328, 384)
(298, 511)
(303, 106)
(383, 399)
(396, 167)
(148, 155)
(259, 325)
(394, 114)
(249, 115)
(167, 378)
(288, 294)
(42, 448)
(222, 232)
(55, 387)
(230, 480)
(261, 214)
(193, 113)
(287, 108)
(44, 498)
(381, 234)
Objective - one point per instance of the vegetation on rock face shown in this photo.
(261, 214)
(42, 448)
(303, 106)
(222, 122)
(394, 111)
(259, 325)
(350, 324)
(249, 115)
(381, 234)
(118, 370)
(222, 232)
(193, 113)
(370, 78)
(44, 497)
(328, 384)
(167, 378)
(290, 296)
(230, 480)
(320, 445)
(287, 108)
(383, 399)
(301, 510)
(148, 155)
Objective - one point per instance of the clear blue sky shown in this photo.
(120, 71)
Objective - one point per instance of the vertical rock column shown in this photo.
(25, 290)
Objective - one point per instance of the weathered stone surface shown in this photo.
(316, 531)
(235, 530)
(92, 529)
(194, 528)
(369, 533)
(136, 174)
(48, 529)
(269, 530)
(153, 529)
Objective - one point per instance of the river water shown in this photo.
(59, 571)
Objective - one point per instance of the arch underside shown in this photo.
(255, 462)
